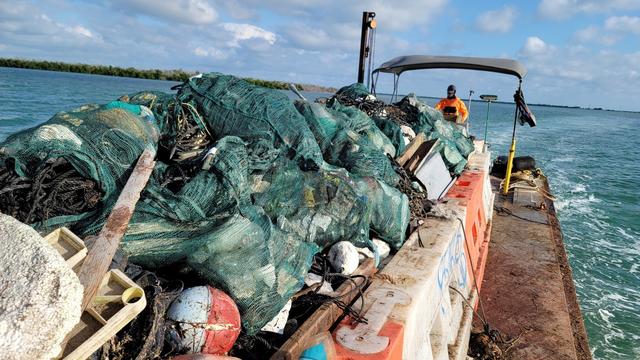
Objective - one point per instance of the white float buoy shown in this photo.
(344, 258)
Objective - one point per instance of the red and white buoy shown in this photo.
(207, 320)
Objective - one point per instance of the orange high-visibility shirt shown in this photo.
(457, 103)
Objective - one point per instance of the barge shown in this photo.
(484, 274)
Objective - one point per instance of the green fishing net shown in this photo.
(232, 106)
(392, 131)
(211, 225)
(102, 143)
(246, 188)
(454, 146)
(343, 146)
(354, 91)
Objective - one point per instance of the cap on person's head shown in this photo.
(451, 88)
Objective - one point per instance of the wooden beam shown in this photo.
(411, 148)
(323, 318)
(98, 259)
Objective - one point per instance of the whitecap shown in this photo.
(579, 188)
(564, 159)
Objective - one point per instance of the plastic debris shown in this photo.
(321, 347)
(277, 324)
(311, 279)
(344, 258)
(381, 247)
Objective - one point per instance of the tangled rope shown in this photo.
(192, 136)
(56, 189)
(419, 204)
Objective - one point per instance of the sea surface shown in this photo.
(590, 157)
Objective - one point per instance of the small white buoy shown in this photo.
(407, 133)
(343, 256)
(382, 247)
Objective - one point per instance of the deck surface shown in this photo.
(528, 291)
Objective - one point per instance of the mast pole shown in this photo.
(367, 23)
(512, 150)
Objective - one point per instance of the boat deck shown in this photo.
(528, 293)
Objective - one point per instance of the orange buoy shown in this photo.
(207, 320)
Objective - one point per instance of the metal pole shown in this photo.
(486, 123)
(366, 16)
(466, 125)
(512, 151)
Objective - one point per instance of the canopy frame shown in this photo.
(400, 64)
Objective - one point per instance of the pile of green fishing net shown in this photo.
(248, 185)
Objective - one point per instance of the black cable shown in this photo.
(502, 210)
(484, 322)
(447, 187)
(473, 271)
(315, 297)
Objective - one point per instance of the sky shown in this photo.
(578, 52)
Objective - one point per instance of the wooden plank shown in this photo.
(98, 259)
(131, 300)
(411, 148)
(71, 247)
(323, 318)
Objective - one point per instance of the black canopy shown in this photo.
(401, 64)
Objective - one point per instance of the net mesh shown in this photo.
(454, 146)
(343, 146)
(232, 106)
(248, 185)
(101, 143)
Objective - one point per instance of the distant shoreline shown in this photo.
(529, 104)
(181, 76)
(151, 74)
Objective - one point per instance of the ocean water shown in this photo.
(589, 156)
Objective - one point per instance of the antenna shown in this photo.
(488, 99)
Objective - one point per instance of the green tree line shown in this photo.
(154, 74)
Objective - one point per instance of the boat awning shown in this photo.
(401, 64)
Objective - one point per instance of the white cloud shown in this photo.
(535, 46)
(581, 76)
(563, 9)
(243, 32)
(27, 25)
(596, 35)
(400, 14)
(237, 9)
(557, 9)
(630, 24)
(182, 11)
(214, 53)
(599, 6)
(500, 20)
(334, 37)
(80, 30)
(316, 41)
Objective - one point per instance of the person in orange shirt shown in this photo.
(453, 105)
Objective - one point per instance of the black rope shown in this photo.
(473, 270)
(315, 298)
(501, 210)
